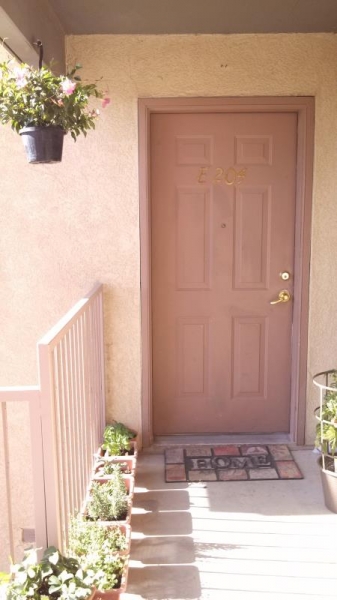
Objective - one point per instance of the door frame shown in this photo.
(305, 109)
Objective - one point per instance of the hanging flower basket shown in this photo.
(42, 107)
(43, 144)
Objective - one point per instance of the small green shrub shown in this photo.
(108, 501)
(117, 439)
(95, 548)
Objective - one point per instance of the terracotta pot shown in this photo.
(43, 144)
(329, 484)
(133, 447)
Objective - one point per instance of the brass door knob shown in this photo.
(284, 296)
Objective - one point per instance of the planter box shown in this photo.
(133, 448)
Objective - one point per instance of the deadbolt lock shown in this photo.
(285, 275)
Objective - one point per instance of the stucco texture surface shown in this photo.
(204, 65)
(16, 501)
(66, 226)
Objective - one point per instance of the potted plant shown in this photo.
(104, 466)
(42, 107)
(85, 534)
(103, 551)
(119, 441)
(113, 472)
(326, 435)
(53, 577)
(108, 502)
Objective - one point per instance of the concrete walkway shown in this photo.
(233, 540)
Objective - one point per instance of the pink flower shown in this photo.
(20, 74)
(105, 102)
(68, 86)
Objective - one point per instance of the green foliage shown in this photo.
(55, 576)
(107, 467)
(117, 439)
(326, 437)
(32, 97)
(95, 548)
(4, 581)
(108, 501)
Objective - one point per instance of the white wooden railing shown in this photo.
(67, 415)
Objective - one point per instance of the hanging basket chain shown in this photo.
(39, 44)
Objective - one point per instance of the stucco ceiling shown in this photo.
(196, 16)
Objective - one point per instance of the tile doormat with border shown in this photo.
(231, 462)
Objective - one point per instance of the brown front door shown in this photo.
(223, 227)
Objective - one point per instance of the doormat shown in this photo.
(230, 463)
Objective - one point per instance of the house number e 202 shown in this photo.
(230, 177)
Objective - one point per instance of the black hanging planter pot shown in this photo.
(43, 144)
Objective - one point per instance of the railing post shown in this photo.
(7, 477)
(40, 517)
(102, 358)
(50, 456)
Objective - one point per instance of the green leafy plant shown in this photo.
(96, 549)
(121, 428)
(38, 97)
(108, 501)
(55, 576)
(326, 435)
(117, 439)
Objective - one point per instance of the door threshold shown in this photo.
(221, 438)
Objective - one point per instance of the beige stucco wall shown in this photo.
(16, 502)
(66, 226)
(238, 65)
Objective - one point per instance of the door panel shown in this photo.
(223, 223)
